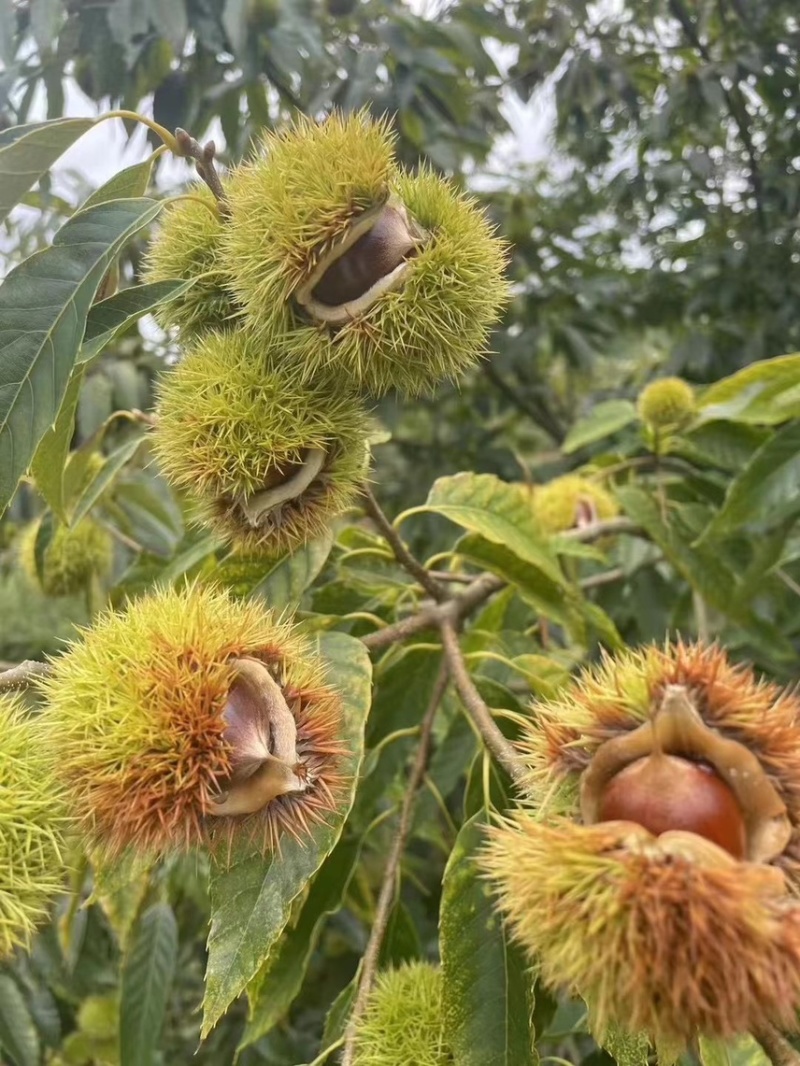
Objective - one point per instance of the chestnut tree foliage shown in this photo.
(658, 235)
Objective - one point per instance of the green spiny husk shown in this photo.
(403, 1022)
(232, 418)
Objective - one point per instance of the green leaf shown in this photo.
(274, 988)
(50, 459)
(43, 307)
(627, 1049)
(713, 1052)
(290, 575)
(251, 898)
(484, 504)
(147, 972)
(488, 990)
(124, 185)
(109, 318)
(769, 480)
(18, 1036)
(605, 419)
(28, 152)
(763, 393)
(104, 476)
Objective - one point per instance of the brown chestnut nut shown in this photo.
(664, 792)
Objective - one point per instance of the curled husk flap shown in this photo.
(33, 824)
(193, 718)
(188, 247)
(668, 935)
(403, 1022)
(72, 556)
(267, 461)
(392, 278)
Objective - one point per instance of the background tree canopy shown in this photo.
(657, 234)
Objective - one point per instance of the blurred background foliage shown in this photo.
(654, 231)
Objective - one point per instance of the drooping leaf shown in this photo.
(104, 476)
(18, 1036)
(251, 897)
(50, 459)
(488, 990)
(43, 307)
(109, 318)
(769, 481)
(484, 504)
(606, 418)
(289, 576)
(28, 152)
(147, 973)
(763, 393)
(274, 988)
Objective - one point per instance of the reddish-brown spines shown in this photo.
(137, 712)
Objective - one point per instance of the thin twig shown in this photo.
(400, 551)
(369, 965)
(778, 1050)
(23, 675)
(607, 577)
(430, 615)
(500, 747)
(203, 156)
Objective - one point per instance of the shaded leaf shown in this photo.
(50, 459)
(488, 997)
(147, 973)
(274, 988)
(43, 307)
(251, 897)
(109, 318)
(18, 1036)
(290, 575)
(104, 476)
(605, 419)
(28, 152)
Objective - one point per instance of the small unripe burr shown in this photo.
(666, 403)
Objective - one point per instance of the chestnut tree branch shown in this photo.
(496, 742)
(369, 964)
(401, 552)
(23, 675)
(203, 156)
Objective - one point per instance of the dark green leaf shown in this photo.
(290, 575)
(50, 459)
(147, 973)
(251, 898)
(488, 989)
(109, 318)
(18, 1036)
(125, 185)
(28, 152)
(104, 476)
(43, 307)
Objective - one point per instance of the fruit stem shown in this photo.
(132, 116)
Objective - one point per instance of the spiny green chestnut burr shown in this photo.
(188, 247)
(393, 279)
(189, 719)
(266, 460)
(403, 1022)
(73, 555)
(33, 824)
(666, 403)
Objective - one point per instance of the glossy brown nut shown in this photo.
(666, 792)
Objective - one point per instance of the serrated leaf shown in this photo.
(120, 888)
(488, 990)
(289, 576)
(251, 897)
(124, 185)
(763, 393)
(50, 459)
(482, 503)
(18, 1036)
(606, 418)
(109, 318)
(274, 988)
(104, 476)
(27, 152)
(147, 973)
(43, 307)
(768, 481)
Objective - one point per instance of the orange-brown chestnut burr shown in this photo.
(663, 792)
